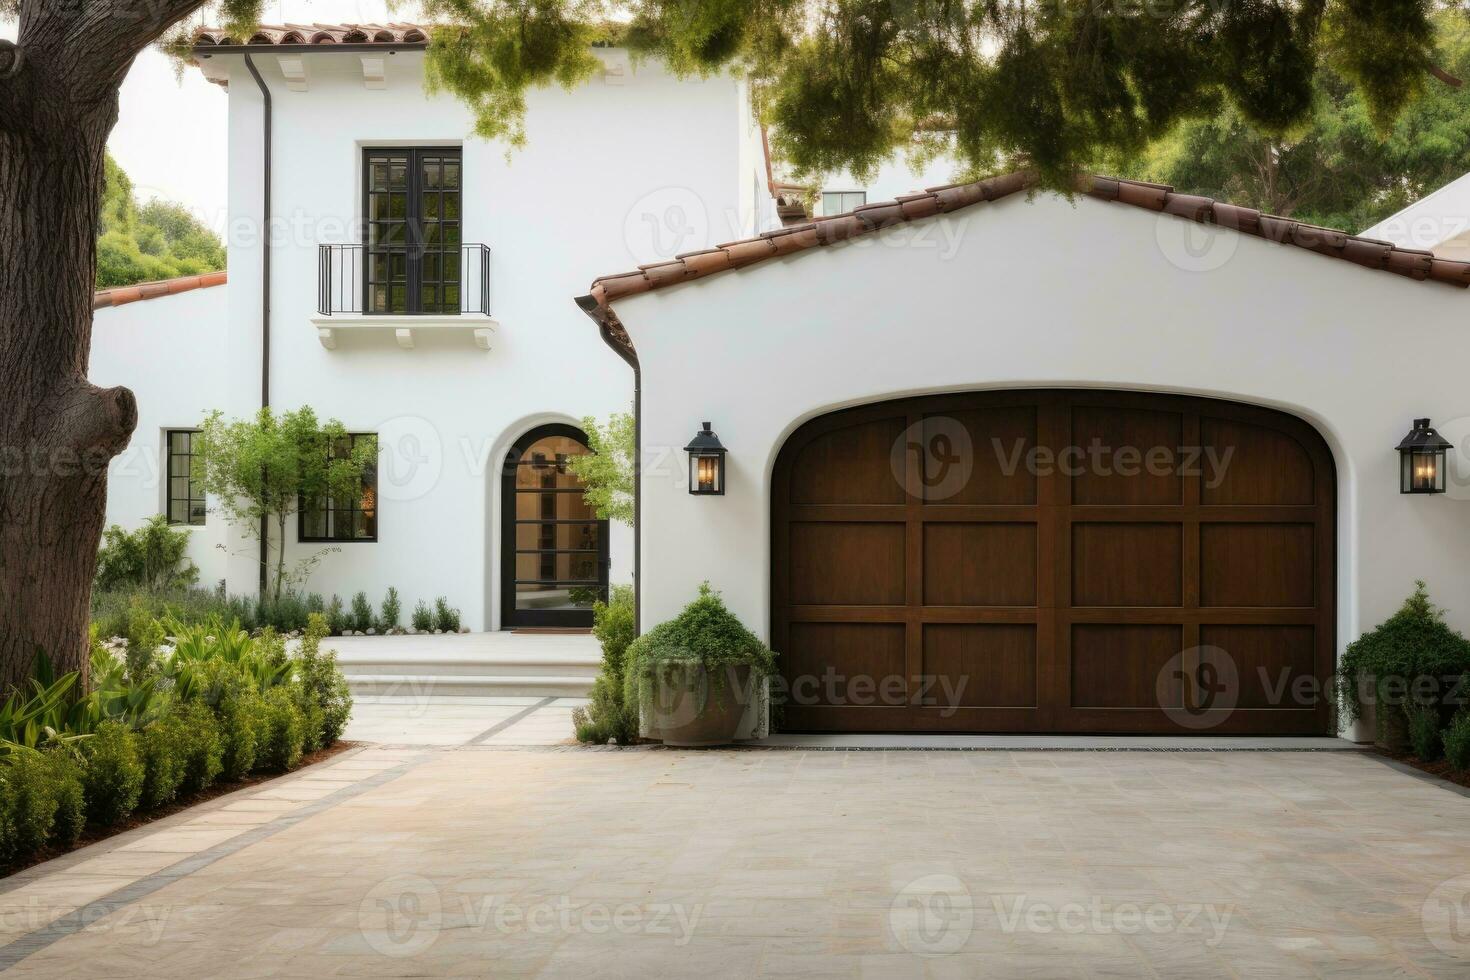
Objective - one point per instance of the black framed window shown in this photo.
(412, 204)
(841, 202)
(328, 519)
(185, 495)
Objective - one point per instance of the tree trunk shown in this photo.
(57, 431)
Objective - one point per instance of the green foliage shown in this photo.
(286, 614)
(262, 468)
(704, 635)
(423, 619)
(1338, 166)
(607, 472)
(392, 610)
(239, 718)
(145, 634)
(336, 617)
(198, 740)
(1457, 741)
(1424, 728)
(150, 558)
(71, 803)
(160, 240)
(282, 731)
(324, 687)
(1055, 86)
(606, 716)
(112, 779)
(446, 618)
(362, 613)
(1413, 652)
(164, 746)
(29, 791)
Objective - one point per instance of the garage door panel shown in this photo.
(847, 564)
(1121, 666)
(1274, 665)
(1257, 565)
(1119, 564)
(846, 664)
(980, 564)
(851, 465)
(1131, 456)
(996, 443)
(981, 665)
(1251, 464)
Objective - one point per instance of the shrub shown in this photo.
(234, 700)
(29, 800)
(324, 688)
(1412, 650)
(362, 613)
(285, 613)
(145, 634)
(282, 731)
(613, 625)
(1457, 741)
(112, 777)
(705, 635)
(163, 747)
(1424, 728)
(423, 620)
(606, 716)
(198, 738)
(71, 803)
(392, 610)
(445, 618)
(336, 616)
(150, 558)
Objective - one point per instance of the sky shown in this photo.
(171, 131)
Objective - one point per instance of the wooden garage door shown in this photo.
(1055, 561)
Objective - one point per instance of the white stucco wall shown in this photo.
(1052, 293)
(612, 174)
(171, 353)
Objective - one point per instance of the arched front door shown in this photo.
(554, 556)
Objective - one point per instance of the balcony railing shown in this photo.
(437, 282)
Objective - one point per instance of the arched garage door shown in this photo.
(1055, 561)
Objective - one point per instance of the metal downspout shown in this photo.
(265, 293)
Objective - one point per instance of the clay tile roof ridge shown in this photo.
(123, 295)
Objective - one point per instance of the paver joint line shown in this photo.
(79, 918)
(501, 726)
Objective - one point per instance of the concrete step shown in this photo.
(506, 664)
(417, 686)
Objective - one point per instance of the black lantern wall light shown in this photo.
(1422, 459)
(706, 463)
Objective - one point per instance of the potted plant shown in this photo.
(693, 677)
(1411, 663)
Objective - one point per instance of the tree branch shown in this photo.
(1445, 76)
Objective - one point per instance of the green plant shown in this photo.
(362, 613)
(705, 636)
(606, 716)
(164, 750)
(261, 469)
(1424, 727)
(28, 795)
(71, 803)
(446, 618)
(150, 558)
(1414, 651)
(239, 725)
(282, 731)
(606, 473)
(112, 776)
(145, 634)
(324, 687)
(336, 617)
(423, 619)
(392, 611)
(198, 739)
(1457, 741)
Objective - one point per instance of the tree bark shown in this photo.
(58, 102)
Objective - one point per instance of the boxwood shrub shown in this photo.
(112, 779)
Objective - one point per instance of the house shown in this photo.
(999, 460)
(414, 283)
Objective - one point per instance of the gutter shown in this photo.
(265, 290)
(601, 316)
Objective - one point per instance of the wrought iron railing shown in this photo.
(345, 283)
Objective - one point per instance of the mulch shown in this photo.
(1440, 769)
(94, 834)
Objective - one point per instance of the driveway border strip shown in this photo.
(502, 725)
(79, 918)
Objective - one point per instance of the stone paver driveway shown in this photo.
(484, 861)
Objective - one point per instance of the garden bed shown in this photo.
(1440, 769)
(93, 835)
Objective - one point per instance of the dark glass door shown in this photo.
(413, 211)
(554, 549)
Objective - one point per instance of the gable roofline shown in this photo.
(1453, 197)
(123, 295)
(1366, 252)
(315, 37)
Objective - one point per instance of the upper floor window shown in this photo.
(353, 519)
(840, 202)
(413, 212)
(185, 495)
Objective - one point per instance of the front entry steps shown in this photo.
(468, 665)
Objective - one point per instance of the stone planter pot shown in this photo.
(699, 707)
(1391, 728)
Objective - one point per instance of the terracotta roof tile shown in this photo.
(798, 237)
(122, 295)
(326, 34)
